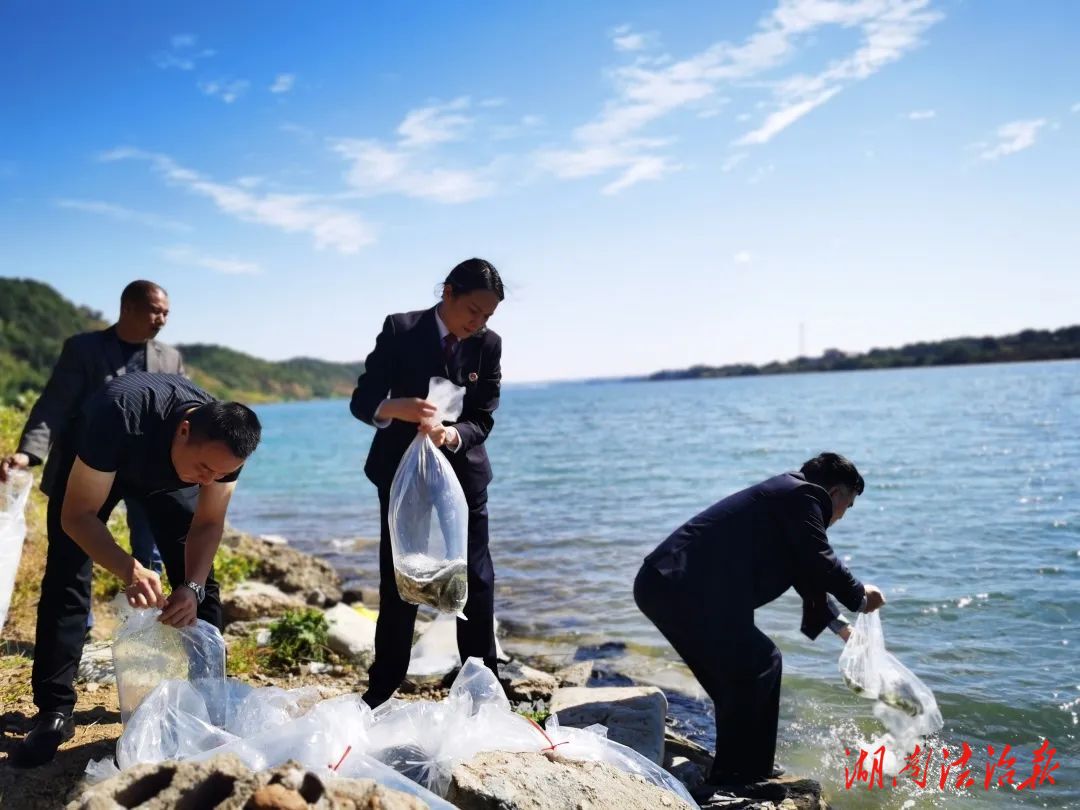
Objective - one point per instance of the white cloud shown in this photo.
(187, 255)
(921, 115)
(1013, 137)
(438, 123)
(183, 53)
(409, 166)
(122, 214)
(380, 169)
(648, 91)
(228, 90)
(732, 161)
(625, 39)
(889, 29)
(742, 257)
(330, 226)
(283, 83)
(785, 117)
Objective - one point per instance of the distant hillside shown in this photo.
(234, 375)
(1031, 344)
(35, 320)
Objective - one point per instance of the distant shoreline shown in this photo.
(1030, 345)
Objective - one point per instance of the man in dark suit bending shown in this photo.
(700, 588)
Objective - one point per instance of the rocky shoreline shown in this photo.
(284, 579)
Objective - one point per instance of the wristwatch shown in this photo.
(199, 590)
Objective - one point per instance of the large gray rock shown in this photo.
(225, 783)
(785, 793)
(522, 682)
(96, 664)
(503, 781)
(310, 579)
(634, 715)
(350, 634)
(254, 600)
(575, 675)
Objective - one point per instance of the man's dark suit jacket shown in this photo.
(86, 363)
(758, 543)
(407, 354)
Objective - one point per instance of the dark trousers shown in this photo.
(143, 547)
(65, 589)
(735, 663)
(394, 629)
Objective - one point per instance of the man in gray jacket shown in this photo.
(86, 363)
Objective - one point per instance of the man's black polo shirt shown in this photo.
(128, 428)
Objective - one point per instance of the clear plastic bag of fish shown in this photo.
(147, 652)
(873, 672)
(13, 496)
(429, 518)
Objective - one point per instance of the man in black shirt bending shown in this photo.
(157, 436)
(88, 361)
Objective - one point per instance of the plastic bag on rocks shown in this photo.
(269, 707)
(147, 652)
(424, 740)
(435, 652)
(98, 770)
(429, 556)
(316, 739)
(592, 744)
(360, 766)
(13, 496)
(171, 722)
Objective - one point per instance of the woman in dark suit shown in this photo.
(449, 340)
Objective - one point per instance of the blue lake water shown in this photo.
(970, 524)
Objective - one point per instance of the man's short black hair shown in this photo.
(139, 292)
(832, 469)
(230, 422)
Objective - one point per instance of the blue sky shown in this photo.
(659, 184)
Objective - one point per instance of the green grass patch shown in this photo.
(246, 658)
(297, 637)
(537, 717)
(14, 678)
(231, 568)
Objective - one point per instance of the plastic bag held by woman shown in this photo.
(13, 495)
(429, 555)
(147, 652)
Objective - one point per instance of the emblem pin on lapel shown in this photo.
(473, 377)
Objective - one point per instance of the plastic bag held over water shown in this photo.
(13, 496)
(873, 672)
(147, 652)
(429, 555)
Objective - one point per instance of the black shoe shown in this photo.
(39, 746)
(777, 771)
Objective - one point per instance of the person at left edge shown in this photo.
(449, 340)
(154, 435)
